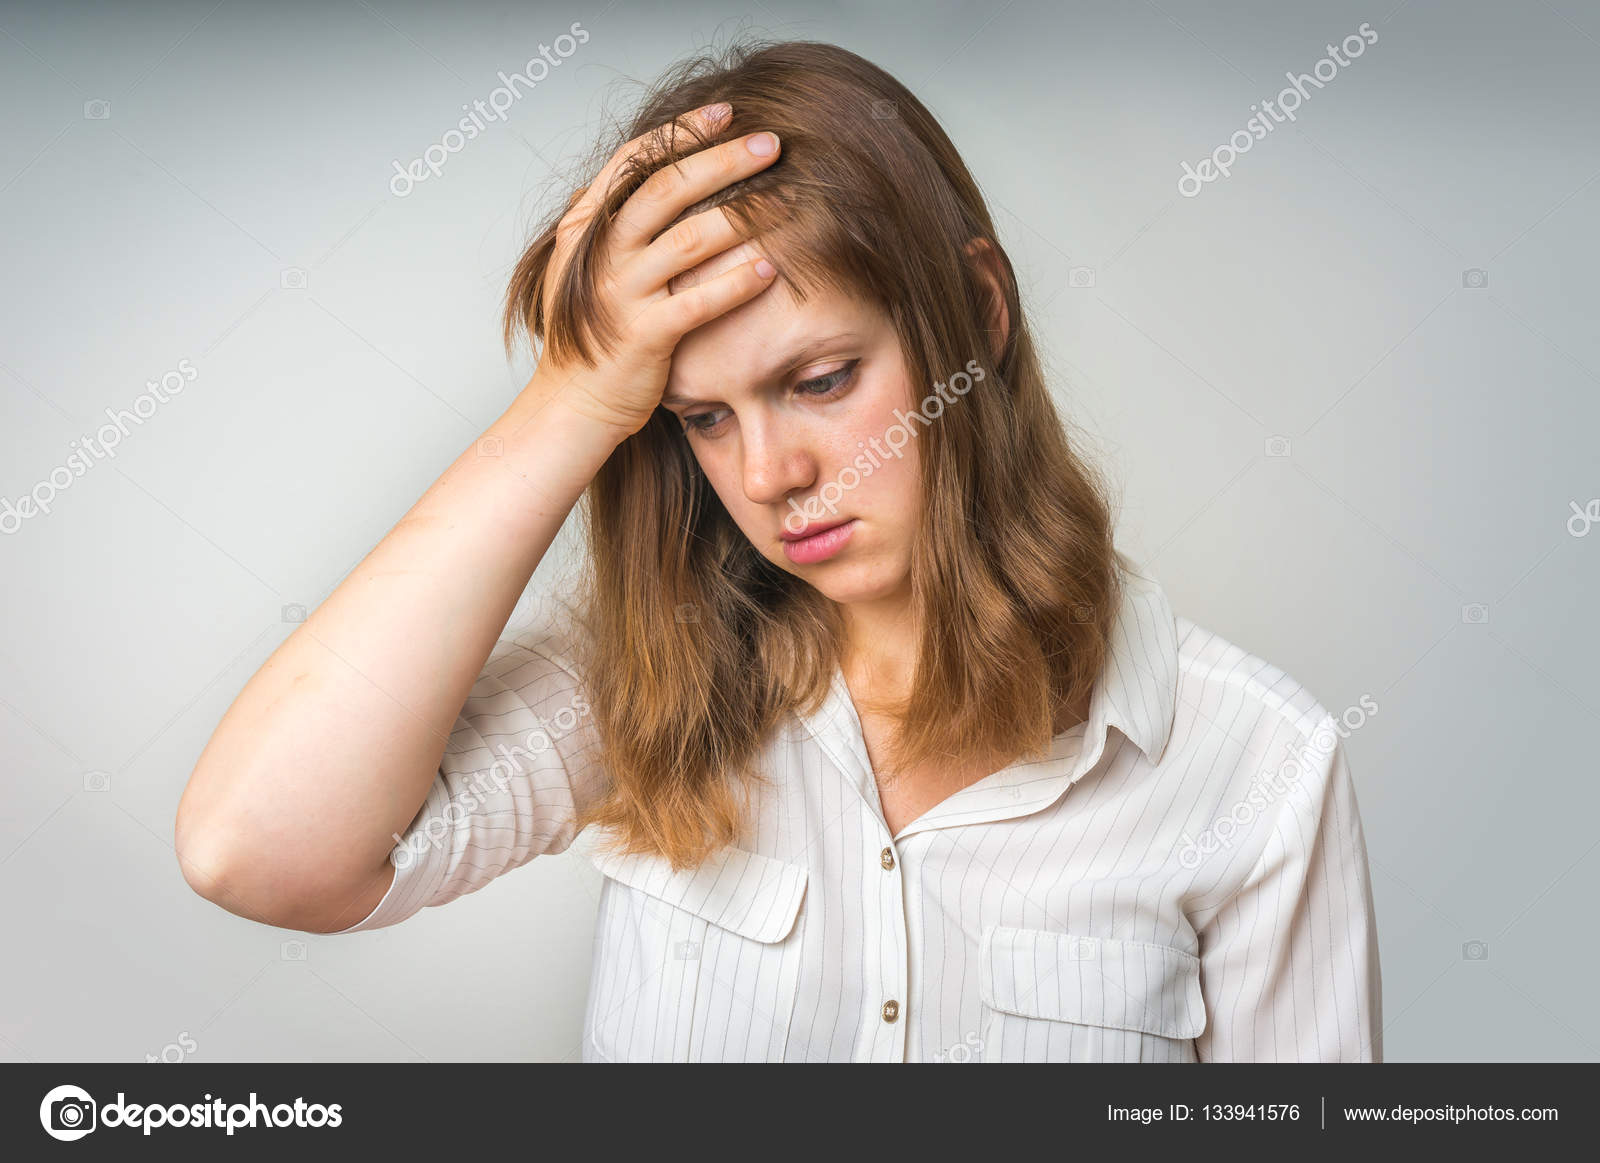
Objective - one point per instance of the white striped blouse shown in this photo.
(1182, 878)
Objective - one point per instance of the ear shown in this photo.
(991, 273)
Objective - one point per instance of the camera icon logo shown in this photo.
(491, 446)
(1475, 278)
(1277, 446)
(67, 1113)
(97, 781)
(1082, 948)
(687, 612)
(686, 951)
(292, 951)
(1475, 614)
(1083, 614)
(1080, 277)
(1475, 951)
(96, 110)
(884, 110)
(293, 279)
(1582, 520)
(294, 613)
(968, 1049)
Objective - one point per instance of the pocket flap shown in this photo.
(1096, 981)
(750, 894)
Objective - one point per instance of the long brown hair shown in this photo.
(694, 645)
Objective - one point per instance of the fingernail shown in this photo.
(762, 144)
(764, 268)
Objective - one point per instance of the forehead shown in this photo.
(753, 338)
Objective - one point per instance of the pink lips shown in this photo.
(818, 546)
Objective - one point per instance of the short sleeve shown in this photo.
(523, 756)
(1289, 963)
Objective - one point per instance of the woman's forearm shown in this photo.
(332, 745)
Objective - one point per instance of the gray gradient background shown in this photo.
(1437, 436)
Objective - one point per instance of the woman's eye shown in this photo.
(822, 387)
(828, 384)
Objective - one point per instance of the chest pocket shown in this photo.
(697, 964)
(1063, 997)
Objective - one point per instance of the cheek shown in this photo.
(884, 449)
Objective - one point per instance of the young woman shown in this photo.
(893, 756)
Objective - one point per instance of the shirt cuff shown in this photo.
(400, 901)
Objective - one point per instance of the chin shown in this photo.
(848, 586)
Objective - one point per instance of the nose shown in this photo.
(777, 459)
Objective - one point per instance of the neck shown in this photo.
(882, 641)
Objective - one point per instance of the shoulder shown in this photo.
(1246, 731)
(1215, 672)
(1189, 696)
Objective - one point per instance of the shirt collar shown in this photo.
(1136, 693)
(1138, 689)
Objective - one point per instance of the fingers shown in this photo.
(673, 317)
(592, 195)
(666, 193)
(685, 245)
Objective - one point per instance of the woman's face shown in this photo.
(797, 440)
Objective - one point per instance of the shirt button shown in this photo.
(891, 1010)
(887, 859)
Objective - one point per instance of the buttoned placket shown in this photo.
(882, 1023)
(1020, 789)
(889, 1044)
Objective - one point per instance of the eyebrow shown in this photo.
(782, 367)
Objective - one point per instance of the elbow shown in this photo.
(202, 857)
(217, 865)
(199, 840)
(209, 858)
(237, 885)
(223, 864)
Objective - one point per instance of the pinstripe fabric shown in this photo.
(1059, 909)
